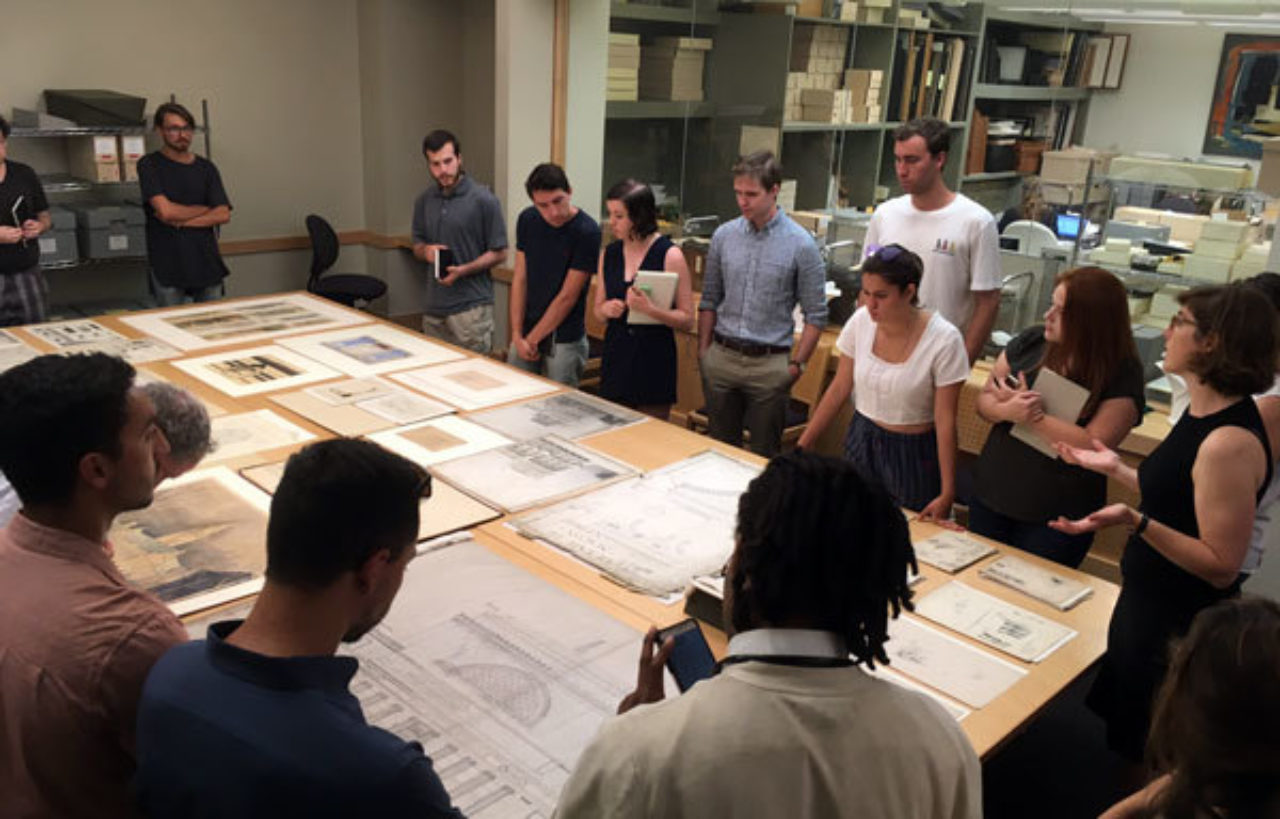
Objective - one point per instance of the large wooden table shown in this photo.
(651, 444)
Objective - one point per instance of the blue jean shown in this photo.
(564, 363)
(166, 296)
(1036, 538)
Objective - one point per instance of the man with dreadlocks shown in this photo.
(790, 727)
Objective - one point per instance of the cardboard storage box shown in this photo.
(1269, 171)
(110, 231)
(58, 243)
(94, 158)
(1071, 165)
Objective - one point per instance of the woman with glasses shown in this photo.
(638, 367)
(903, 367)
(1200, 488)
(1086, 338)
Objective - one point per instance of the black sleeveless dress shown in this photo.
(638, 367)
(1158, 600)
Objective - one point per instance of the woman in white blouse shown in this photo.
(903, 367)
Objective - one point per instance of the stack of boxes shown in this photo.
(95, 159)
(867, 11)
(1220, 244)
(623, 81)
(910, 18)
(864, 87)
(132, 148)
(1252, 262)
(1115, 252)
(818, 56)
(671, 68)
(1067, 170)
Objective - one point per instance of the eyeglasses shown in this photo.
(1178, 320)
(178, 129)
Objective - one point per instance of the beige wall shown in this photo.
(523, 31)
(588, 64)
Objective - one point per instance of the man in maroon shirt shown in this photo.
(80, 443)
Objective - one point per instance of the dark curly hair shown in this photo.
(1241, 322)
(819, 545)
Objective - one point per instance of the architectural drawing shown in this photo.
(1057, 590)
(371, 350)
(60, 334)
(439, 439)
(201, 542)
(951, 551)
(13, 351)
(256, 370)
(360, 406)
(656, 533)
(957, 669)
(502, 677)
(571, 415)
(957, 711)
(520, 475)
(248, 432)
(993, 622)
(234, 322)
(475, 383)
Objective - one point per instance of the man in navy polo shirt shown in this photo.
(557, 249)
(258, 720)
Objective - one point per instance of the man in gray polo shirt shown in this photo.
(462, 219)
(759, 267)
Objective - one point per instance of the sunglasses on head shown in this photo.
(889, 253)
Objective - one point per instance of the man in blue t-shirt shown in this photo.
(557, 250)
(259, 720)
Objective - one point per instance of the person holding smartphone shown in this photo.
(1086, 338)
(903, 367)
(638, 368)
(791, 726)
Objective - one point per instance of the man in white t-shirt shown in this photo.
(954, 236)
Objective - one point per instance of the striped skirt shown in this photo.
(905, 465)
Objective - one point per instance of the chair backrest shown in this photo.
(324, 247)
(1032, 237)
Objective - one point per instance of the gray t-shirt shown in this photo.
(469, 221)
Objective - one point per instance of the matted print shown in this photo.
(256, 370)
(236, 322)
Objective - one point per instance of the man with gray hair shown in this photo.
(182, 419)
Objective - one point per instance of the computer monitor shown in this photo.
(1069, 225)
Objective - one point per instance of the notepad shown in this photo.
(660, 287)
(1063, 399)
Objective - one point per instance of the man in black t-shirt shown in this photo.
(557, 251)
(24, 215)
(185, 204)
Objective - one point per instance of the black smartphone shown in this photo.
(691, 658)
(442, 261)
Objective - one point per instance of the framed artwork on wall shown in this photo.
(1244, 109)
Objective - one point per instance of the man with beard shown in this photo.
(80, 443)
(459, 221)
(257, 720)
(185, 204)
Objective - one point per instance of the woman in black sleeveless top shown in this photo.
(638, 368)
(1199, 488)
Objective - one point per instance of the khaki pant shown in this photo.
(746, 391)
(471, 329)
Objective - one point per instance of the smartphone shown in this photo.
(1011, 381)
(691, 658)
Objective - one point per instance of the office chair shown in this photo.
(344, 288)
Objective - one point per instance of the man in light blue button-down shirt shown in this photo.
(759, 267)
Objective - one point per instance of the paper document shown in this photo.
(475, 383)
(256, 370)
(656, 533)
(440, 439)
(200, 543)
(360, 406)
(571, 415)
(371, 350)
(502, 677)
(14, 352)
(940, 661)
(248, 432)
(951, 551)
(524, 474)
(235, 322)
(993, 622)
(73, 333)
(1047, 586)
(957, 711)
(1063, 399)
(660, 287)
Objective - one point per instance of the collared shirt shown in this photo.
(468, 220)
(754, 278)
(761, 739)
(76, 643)
(225, 732)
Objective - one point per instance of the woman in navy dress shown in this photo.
(639, 363)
